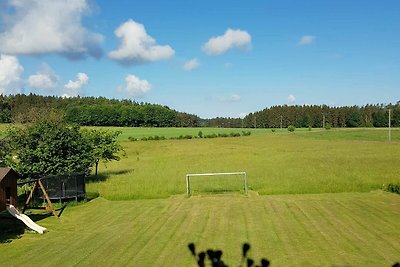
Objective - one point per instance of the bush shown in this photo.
(291, 128)
(144, 139)
(210, 136)
(246, 133)
(234, 134)
(200, 134)
(130, 138)
(273, 130)
(223, 135)
(309, 128)
(393, 188)
(188, 136)
(328, 126)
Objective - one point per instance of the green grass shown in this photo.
(175, 132)
(357, 229)
(359, 134)
(290, 215)
(275, 164)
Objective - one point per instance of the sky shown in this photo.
(223, 58)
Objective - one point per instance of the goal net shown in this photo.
(216, 182)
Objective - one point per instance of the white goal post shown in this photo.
(215, 174)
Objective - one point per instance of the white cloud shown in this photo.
(73, 88)
(230, 39)
(230, 98)
(135, 87)
(137, 47)
(306, 40)
(10, 75)
(45, 79)
(291, 99)
(191, 64)
(38, 27)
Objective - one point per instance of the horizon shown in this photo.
(224, 59)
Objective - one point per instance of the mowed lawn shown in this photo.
(357, 229)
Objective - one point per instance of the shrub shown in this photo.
(130, 138)
(144, 139)
(223, 135)
(210, 136)
(309, 128)
(328, 126)
(246, 133)
(150, 138)
(156, 137)
(188, 136)
(234, 134)
(273, 130)
(291, 128)
(200, 134)
(393, 188)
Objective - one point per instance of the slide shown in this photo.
(25, 219)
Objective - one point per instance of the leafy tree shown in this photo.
(3, 152)
(48, 148)
(104, 145)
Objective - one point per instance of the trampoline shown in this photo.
(64, 187)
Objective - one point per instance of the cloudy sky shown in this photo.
(211, 58)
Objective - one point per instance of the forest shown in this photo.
(100, 111)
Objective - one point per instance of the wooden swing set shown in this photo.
(36, 183)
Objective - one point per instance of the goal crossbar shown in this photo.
(215, 174)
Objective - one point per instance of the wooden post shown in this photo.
(390, 135)
(47, 198)
(30, 197)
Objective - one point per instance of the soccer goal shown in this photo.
(218, 178)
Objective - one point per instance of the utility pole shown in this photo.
(390, 136)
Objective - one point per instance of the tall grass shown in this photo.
(275, 164)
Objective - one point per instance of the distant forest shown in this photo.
(100, 111)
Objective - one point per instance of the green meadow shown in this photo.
(314, 199)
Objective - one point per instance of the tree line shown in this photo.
(93, 111)
(315, 116)
(100, 111)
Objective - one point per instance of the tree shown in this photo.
(48, 148)
(104, 146)
(3, 152)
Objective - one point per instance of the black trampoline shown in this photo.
(64, 187)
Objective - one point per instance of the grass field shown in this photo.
(275, 164)
(314, 201)
(357, 229)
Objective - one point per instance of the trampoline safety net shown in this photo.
(62, 187)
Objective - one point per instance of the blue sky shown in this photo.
(210, 58)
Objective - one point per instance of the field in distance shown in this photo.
(276, 163)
